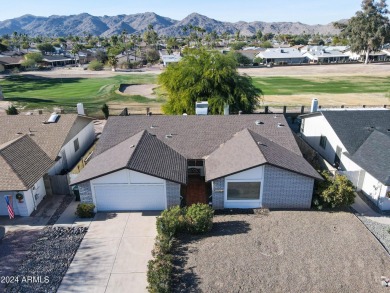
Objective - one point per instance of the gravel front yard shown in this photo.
(285, 251)
(47, 261)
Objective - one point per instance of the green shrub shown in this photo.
(85, 210)
(171, 221)
(199, 218)
(95, 66)
(333, 192)
(12, 110)
(163, 245)
(159, 274)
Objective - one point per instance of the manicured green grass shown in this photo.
(326, 85)
(37, 92)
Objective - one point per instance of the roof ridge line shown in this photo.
(144, 132)
(13, 169)
(11, 142)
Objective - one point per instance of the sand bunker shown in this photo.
(145, 90)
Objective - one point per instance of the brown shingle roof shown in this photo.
(22, 164)
(195, 137)
(143, 153)
(49, 137)
(247, 150)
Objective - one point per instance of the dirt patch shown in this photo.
(377, 69)
(3, 106)
(286, 251)
(378, 99)
(145, 90)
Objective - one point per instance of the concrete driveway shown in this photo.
(113, 255)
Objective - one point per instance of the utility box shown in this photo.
(80, 109)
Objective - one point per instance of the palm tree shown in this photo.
(113, 62)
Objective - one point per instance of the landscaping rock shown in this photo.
(48, 260)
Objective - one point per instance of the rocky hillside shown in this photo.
(57, 25)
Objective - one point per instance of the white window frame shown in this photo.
(243, 181)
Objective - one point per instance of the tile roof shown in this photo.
(141, 152)
(22, 163)
(49, 137)
(248, 149)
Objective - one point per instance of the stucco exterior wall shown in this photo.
(69, 157)
(285, 189)
(316, 126)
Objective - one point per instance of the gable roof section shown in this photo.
(22, 163)
(248, 149)
(354, 127)
(143, 153)
(49, 137)
(374, 156)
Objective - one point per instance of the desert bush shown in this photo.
(199, 218)
(85, 210)
(333, 192)
(171, 221)
(159, 274)
(95, 66)
(12, 110)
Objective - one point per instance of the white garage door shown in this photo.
(130, 197)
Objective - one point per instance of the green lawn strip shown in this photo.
(36, 92)
(326, 85)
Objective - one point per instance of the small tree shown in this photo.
(152, 56)
(95, 65)
(12, 110)
(369, 29)
(105, 111)
(113, 62)
(333, 192)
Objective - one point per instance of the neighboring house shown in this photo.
(376, 56)
(326, 56)
(173, 58)
(281, 56)
(31, 147)
(241, 161)
(57, 60)
(251, 53)
(359, 143)
(8, 62)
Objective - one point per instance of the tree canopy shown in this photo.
(369, 29)
(208, 76)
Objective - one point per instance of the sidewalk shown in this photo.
(364, 210)
(69, 218)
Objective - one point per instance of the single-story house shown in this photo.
(8, 62)
(358, 142)
(326, 56)
(57, 60)
(377, 56)
(237, 161)
(173, 58)
(281, 56)
(33, 146)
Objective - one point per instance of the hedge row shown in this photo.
(196, 219)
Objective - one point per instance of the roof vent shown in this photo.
(19, 133)
(280, 124)
(152, 126)
(258, 122)
(262, 144)
(168, 136)
(275, 116)
(53, 118)
(132, 146)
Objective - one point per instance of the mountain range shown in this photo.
(59, 25)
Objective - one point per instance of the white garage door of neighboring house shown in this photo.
(130, 197)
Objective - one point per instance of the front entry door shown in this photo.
(196, 190)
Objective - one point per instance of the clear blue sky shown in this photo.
(305, 11)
